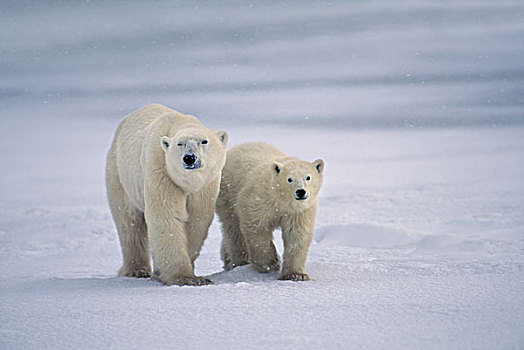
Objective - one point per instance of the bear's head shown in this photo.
(194, 156)
(297, 182)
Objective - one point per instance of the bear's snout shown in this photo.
(301, 194)
(191, 161)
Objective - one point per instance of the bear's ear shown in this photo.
(164, 142)
(223, 137)
(276, 168)
(319, 165)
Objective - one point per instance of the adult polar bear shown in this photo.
(163, 177)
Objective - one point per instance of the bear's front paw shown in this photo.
(296, 277)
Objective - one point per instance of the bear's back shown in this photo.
(245, 158)
(251, 154)
(137, 124)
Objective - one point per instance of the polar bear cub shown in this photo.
(162, 178)
(263, 189)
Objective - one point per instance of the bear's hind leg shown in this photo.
(135, 248)
(130, 224)
(233, 250)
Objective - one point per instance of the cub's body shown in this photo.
(261, 190)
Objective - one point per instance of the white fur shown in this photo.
(256, 198)
(156, 203)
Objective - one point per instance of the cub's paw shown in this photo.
(181, 280)
(192, 281)
(198, 281)
(137, 272)
(271, 267)
(296, 277)
(266, 263)
(230, 265)
(142, 274)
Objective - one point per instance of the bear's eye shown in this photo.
(289, 179)
(180, 144)
(204, 142)
(308, 178)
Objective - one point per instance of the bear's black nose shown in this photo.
(300, 193)
(189, 159)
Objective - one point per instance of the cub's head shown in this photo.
(194, 156)
(297, 182)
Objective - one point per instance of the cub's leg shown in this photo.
(262, 253)
(297, 236)
(130, 224)
(294, 257)
(233, 250)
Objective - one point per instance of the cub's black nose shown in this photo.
(189, 159)
(300, 194)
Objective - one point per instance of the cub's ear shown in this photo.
(164, 142)
(319, 165)
(276, 168)
(223, 137)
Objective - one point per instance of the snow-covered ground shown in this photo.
(417, 107)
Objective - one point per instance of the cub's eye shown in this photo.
(180, 144)
(308, 178)
(204, 142)
(289, 179)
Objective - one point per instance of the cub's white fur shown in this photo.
(263, 189)
(162, 179)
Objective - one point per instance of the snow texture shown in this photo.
(417, 107)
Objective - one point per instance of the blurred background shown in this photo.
(303, 63)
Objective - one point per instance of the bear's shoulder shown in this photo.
(168, 121)
(252, 156)
(256, 148)
(156, 117)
